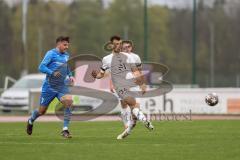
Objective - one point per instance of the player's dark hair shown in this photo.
(62, 38)
(115, 38)
(128, 42)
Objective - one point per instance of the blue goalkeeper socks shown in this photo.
(34, 116)
(67, 118)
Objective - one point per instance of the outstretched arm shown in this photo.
(98, 74)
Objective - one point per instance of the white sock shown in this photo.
(139, 114)
(129, 129)
(65, 128)
(126, 116)
(30, 122)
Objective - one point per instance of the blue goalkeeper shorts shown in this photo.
(48, 94)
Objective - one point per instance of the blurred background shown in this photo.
(196, 39)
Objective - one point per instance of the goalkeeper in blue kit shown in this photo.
(57, 71)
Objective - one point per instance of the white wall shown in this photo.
(184, 100)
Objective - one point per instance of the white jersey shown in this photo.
(136, 58)
(138, 63)
(107, 61)
(120, 65)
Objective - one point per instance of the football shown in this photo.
(211, 99)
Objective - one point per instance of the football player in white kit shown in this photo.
(127, 117)
(122, 65)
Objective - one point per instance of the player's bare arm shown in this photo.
(139, 79)
(98, 74)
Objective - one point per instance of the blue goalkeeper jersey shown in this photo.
(55, 61)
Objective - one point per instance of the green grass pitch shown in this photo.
(175, 140)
